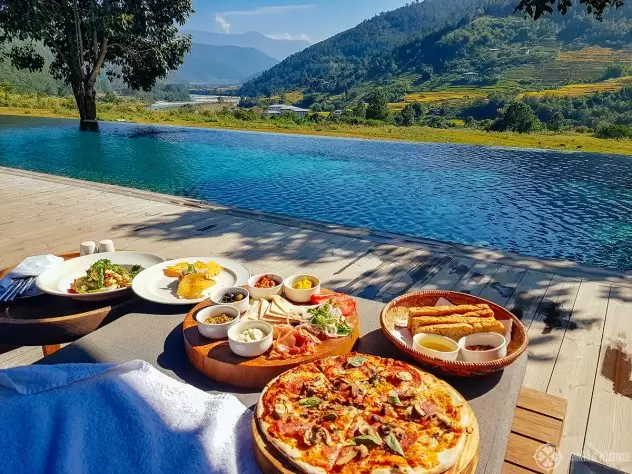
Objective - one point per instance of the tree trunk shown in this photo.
(86, 98)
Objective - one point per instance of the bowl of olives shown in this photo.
(237, 297)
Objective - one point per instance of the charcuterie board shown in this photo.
(214, 358)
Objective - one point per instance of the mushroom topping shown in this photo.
(417, 410)
(404, 376)
(349, 453)
(357, 390)
(282, 409)
(317, 435)
(443, 419)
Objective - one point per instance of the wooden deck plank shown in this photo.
(503, 284)
(476, 279)
(528, 295)
(547, 330)
(450, 274)
(573, 375)
(608, 437)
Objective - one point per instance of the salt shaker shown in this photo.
(87, 248)
(106, 246)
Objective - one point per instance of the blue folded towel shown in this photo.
(118, 418)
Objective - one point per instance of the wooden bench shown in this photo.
(538, 420)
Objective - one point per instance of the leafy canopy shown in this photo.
(137, 40)
(535, 8)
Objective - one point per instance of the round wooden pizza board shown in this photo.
(214, 358)
(271, 461)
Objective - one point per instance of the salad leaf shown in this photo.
(328, 320)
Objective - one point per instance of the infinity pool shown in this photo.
(573, 206)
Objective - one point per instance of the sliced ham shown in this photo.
(292, 341)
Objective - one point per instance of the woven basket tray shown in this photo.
(517, 346)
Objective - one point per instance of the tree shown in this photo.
(360, 110)
(137, 41)
(517, 117)
(377, 108)
(535, 8)
(407, 116)
(556, 122)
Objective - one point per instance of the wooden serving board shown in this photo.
(271, 461)
(214, 358)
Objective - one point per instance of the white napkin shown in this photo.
(121, 418)
(34, 266)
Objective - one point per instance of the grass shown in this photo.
(135, 111)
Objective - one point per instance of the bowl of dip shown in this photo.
(265, 285)
(434, 345)
(215, 321)
(300, 288)
(483, 347)
(250, 338)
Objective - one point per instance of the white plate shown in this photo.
(57, 280)
(152, 284)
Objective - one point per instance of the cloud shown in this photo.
(266, 10)
(222, 23)
(288, 36)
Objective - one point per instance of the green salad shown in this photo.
(328, 320)
(103, 275)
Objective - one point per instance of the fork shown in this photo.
(17, 287)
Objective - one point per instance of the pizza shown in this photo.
(360, 413)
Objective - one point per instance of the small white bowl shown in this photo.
(267, 293)
(216, 331)
(242, 305)
(303, 295)
(437, 339)
(254, 348)
(497, 341)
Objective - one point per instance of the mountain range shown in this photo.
(221, 65)
(439, 43)
(276, 48)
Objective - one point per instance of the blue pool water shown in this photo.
(574, 206)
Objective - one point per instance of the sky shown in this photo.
(311, 20)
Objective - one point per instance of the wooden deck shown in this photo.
(578, 318)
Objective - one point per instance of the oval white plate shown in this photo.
(152, 284)
(57, 280)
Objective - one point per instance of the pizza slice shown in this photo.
(352, 367)
(366, 451)
(430, 445)
(309, 433)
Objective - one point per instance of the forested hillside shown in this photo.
(437, 43)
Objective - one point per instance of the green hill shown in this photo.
(436, 44)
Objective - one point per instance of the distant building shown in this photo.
(470, 76)
(279, 109)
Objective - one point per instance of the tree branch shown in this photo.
(103, 49)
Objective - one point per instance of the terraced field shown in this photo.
(574, 90)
